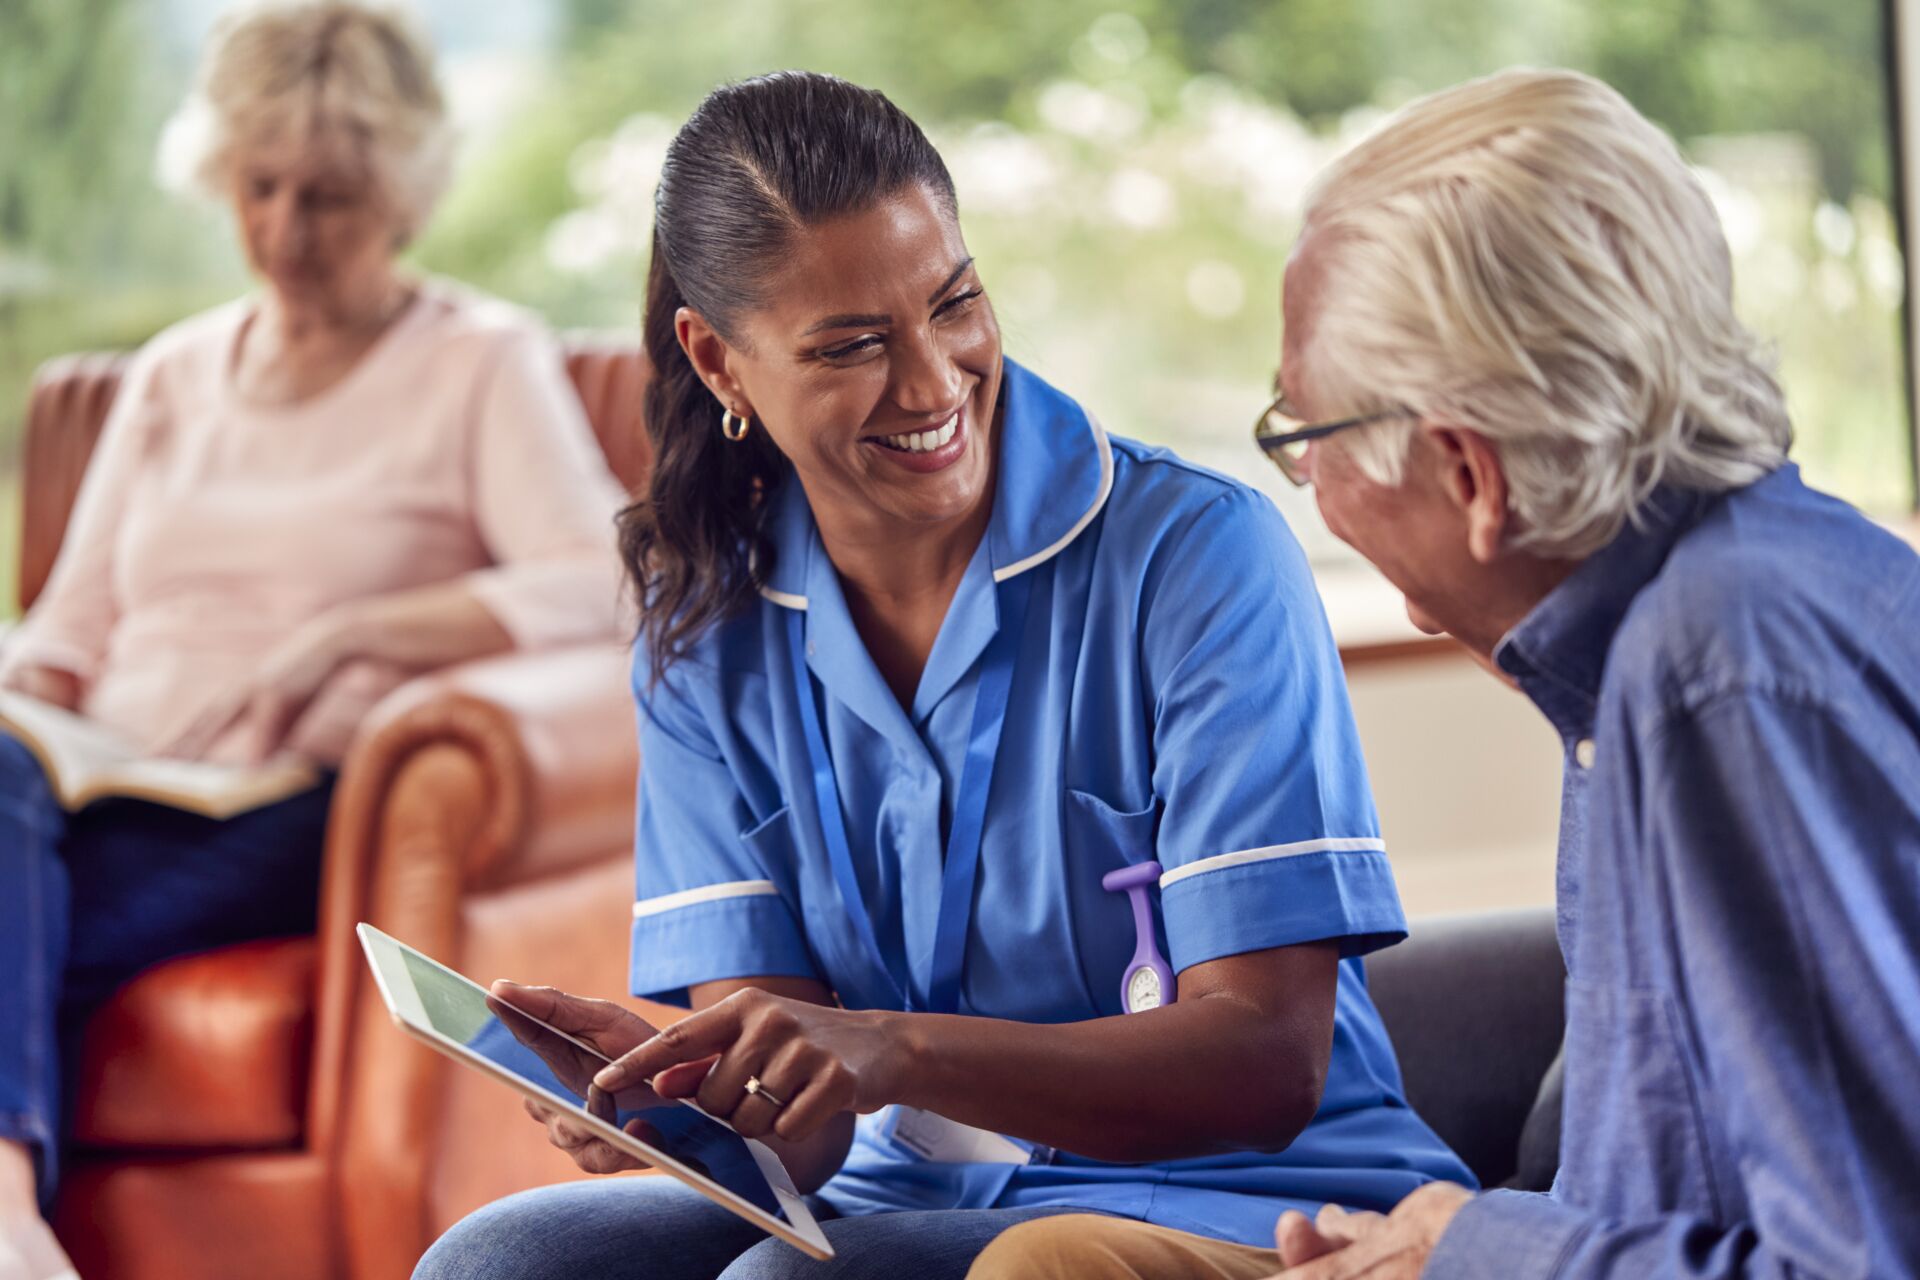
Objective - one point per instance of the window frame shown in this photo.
(1900, 28)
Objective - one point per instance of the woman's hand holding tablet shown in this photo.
(504, 1033)
(611, 1031)
(770, 1065)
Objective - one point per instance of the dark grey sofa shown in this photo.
(1475, 1008)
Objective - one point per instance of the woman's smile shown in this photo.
(928, 449)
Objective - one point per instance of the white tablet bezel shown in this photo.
(409, 1014)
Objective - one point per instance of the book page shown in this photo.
(86, 761)
(71, 748)
(215, 790)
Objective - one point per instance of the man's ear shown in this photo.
(710, 357)
(1471, 475)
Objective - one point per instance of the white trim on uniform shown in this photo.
(788, 600)
(706, 893)
(1086, 517)
(1325, 844)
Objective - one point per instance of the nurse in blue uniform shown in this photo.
(927, 657)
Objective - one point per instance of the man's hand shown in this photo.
(1338, 1245)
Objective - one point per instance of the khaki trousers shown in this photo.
(1096, 1247)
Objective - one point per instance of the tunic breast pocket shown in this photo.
(1111, 838)
(1635, 1140)
(1100, 838)
(769, 843)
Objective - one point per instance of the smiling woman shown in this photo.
(793, 344)
(929, 656)
(885, 417)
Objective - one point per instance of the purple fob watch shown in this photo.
(1148, 983)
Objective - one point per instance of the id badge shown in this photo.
(943, 1141)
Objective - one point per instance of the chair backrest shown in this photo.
(611, 372)
(1475, 1007)
(71, 395)
(65, 411)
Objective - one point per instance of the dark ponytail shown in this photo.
(757, 162)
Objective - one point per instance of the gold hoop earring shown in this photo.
(727, 429)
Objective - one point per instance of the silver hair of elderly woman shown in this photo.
(1526, 256)
(291, 73)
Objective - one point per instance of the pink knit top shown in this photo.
(209, 527)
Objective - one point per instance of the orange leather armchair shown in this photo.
(250, 1111)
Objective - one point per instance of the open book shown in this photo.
(86, 761)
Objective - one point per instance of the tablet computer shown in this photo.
(456, 1016)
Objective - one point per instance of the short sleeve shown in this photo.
(1268, 835)
(544, 502)
(714, 888)
(71, 624)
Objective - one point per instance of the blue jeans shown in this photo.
(88, 900)
(656, 1229)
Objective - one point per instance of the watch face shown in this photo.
(1143, 990)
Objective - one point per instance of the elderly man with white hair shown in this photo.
(1513, 377)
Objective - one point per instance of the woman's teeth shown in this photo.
(924, 441)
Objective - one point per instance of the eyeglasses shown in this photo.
(1284, 436)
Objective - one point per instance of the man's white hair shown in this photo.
(1527, 256)
(288, 73)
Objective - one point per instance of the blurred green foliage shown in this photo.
(1127, 168)
(91, 256)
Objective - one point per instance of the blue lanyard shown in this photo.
(970, 805)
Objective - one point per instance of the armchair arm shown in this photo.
(484, 814)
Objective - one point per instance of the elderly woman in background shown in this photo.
(299, 499)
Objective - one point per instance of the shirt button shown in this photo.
(1583, 753)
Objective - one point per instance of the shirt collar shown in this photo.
(1558, 652)
(1055, 472)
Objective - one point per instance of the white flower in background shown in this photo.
(615, 177)
(24, 275)
(638, 152)
(1080, 110)
(999, 170)
(1881, 264)
(1262, 150)
(1141, 199)
(1773, 275)
(1362, 120)
(585, 241)
(1740, 216)
(1835, 285)
(1833, 228)
(1216, 289)
(485, 90)
(1117, 39)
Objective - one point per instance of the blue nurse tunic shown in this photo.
(1176, 696)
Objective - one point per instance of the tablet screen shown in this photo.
(512, 1041)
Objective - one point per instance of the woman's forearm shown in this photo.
(1237, 1063)
(422, 628)
(1197, 1077)
(53, 685)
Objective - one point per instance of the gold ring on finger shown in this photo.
(759, 1090)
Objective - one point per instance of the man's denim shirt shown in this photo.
(1737, 683)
